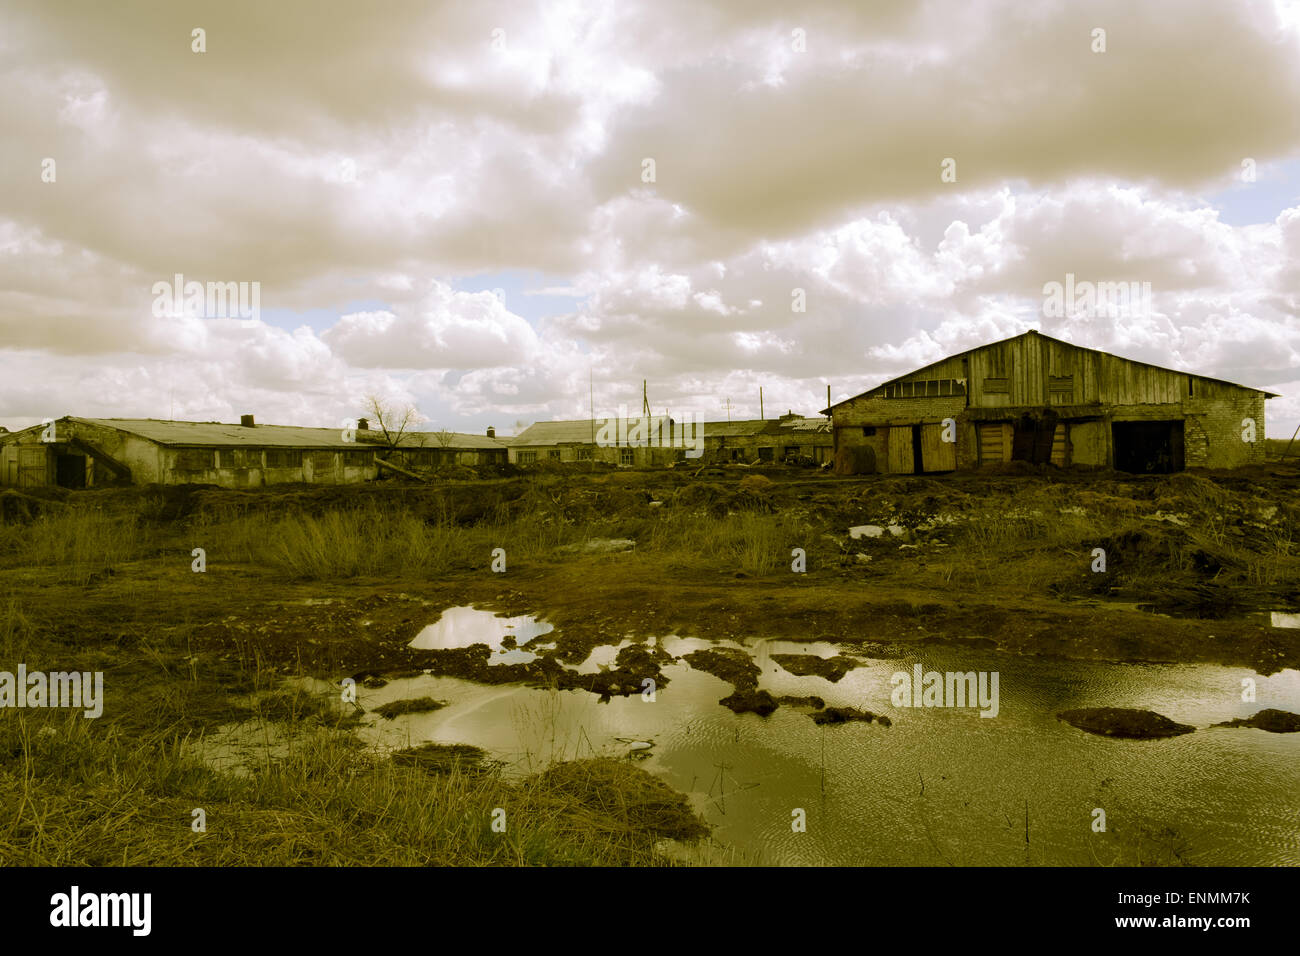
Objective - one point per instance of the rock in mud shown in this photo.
(1125, 723)
(803, 665)
(1274, 721)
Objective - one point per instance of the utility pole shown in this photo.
(727, 406)
(760, 401)
(645, 401)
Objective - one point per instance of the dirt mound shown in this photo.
(735, 666)
(18, 508)
(604, 794)
(1270, 719)
(843, 715)
(1121, 722)
(446, 759)
(803, 665)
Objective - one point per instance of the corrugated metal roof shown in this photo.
(808, 425)
(752, 427)
(745, 428)
(273, 436)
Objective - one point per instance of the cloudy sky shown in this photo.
(473, 208)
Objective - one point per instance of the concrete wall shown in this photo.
(27, 460)
(642, 456)
(254, 468)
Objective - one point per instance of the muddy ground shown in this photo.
(937, 568)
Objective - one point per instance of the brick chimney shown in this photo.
(246, 421)
(492, 432)
(363, 425)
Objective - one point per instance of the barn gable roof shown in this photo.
(1035, 332)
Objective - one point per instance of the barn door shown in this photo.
(995, 442)
(937, 454)
(900, 450)
(1058, 445)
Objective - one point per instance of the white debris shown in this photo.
(1171, 518)
(866, 531)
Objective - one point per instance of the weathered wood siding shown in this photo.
(1089, 389)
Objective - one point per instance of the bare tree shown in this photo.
(446, 439)
(393, 421)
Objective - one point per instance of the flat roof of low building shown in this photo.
(580, 431)
(220, 434)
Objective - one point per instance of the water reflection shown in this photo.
(466, 626)
(939, 786)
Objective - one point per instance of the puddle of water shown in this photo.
(941, 785)
(1231, 795)
(601, 657)
(466, 626)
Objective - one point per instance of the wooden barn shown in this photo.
(87, 452)
(1038, 399)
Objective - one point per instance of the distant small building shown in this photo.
(77, 452)
(617, 441)
(1041, 400)
(788, 438)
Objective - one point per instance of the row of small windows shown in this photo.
(935, 388)
(626, 456)
(930, 388)
(205, 459)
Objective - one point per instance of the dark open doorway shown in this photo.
(1032, 438)
(70, 471)
(1148, 447)
(918, 460)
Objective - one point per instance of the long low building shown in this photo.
(662, 440)
(86, 452)
(649, 440)
(788, 438)
(1038, 399)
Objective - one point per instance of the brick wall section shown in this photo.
(1212, 434)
